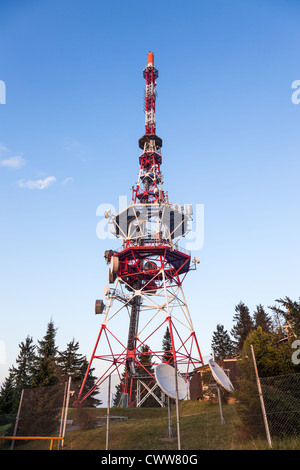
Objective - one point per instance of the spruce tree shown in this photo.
(262, 319)
(45, 370)
(145, 369)
(23, 372)
(243, 325)
(272, 359)
(43, 402)
(8, 398)
(92, 400)
(289, 311)
(145, 359)
(70, 362)
(167, 348)
(222, 345)
(117, 400)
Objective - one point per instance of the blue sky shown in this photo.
(68, 143)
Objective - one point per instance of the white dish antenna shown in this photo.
(165, 377)
(219, 375)
(106, 290)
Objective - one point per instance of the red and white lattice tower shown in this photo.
(146, 275)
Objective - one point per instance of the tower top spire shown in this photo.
(149, 188)
(150, 59)
(150, 73)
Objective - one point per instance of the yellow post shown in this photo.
(27, 438)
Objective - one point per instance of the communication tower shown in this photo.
(145, 276)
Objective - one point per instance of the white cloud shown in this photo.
(76, 149)
(37, 184)
(3, 148)
(72, 145)
(13, 162)
(70, 179)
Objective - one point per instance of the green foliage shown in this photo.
(45, 370)
(282, 401)
(117, 400)
(8, 397)
(85, 418)
(74, 365)
(289, 311)
(222, 345)
(23, 371)
(167, 348)
(272, 359)
(262, 319)
(43, 365)
(40, 411)
(243, 325)
(145, 368)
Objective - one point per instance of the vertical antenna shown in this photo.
(150, 73)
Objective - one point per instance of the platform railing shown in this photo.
(25, 438)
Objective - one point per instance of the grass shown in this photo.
(146, 428)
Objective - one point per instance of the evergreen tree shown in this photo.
(71, 362)
(43, 401)
(272, 359)
(262, 319)
(222, 345)
(8, 397)
(45, 370)
(289, 311)
(117, 401)
(20, 377)
(145, 359)
(244, 324)
(92, 400)
(146, 367)
(167, 348)
(22, 373)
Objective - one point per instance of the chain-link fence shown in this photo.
(42, 414)
(40, 411)
(281, 395)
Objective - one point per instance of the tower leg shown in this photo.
(149, 312)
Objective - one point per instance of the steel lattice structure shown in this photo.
(146, 275)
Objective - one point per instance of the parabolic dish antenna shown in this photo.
(165, 377)
(220, 376)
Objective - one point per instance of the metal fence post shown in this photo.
(177, 408)
(261, 398)
(108, 412)
(17, 420)
(66, 412)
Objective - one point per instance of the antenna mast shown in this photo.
(146, 274)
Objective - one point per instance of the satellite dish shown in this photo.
(106, 290)
(114, 264)
(219, 375)
(165, 377)
(99, 306)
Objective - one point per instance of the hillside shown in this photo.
(146, 428)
